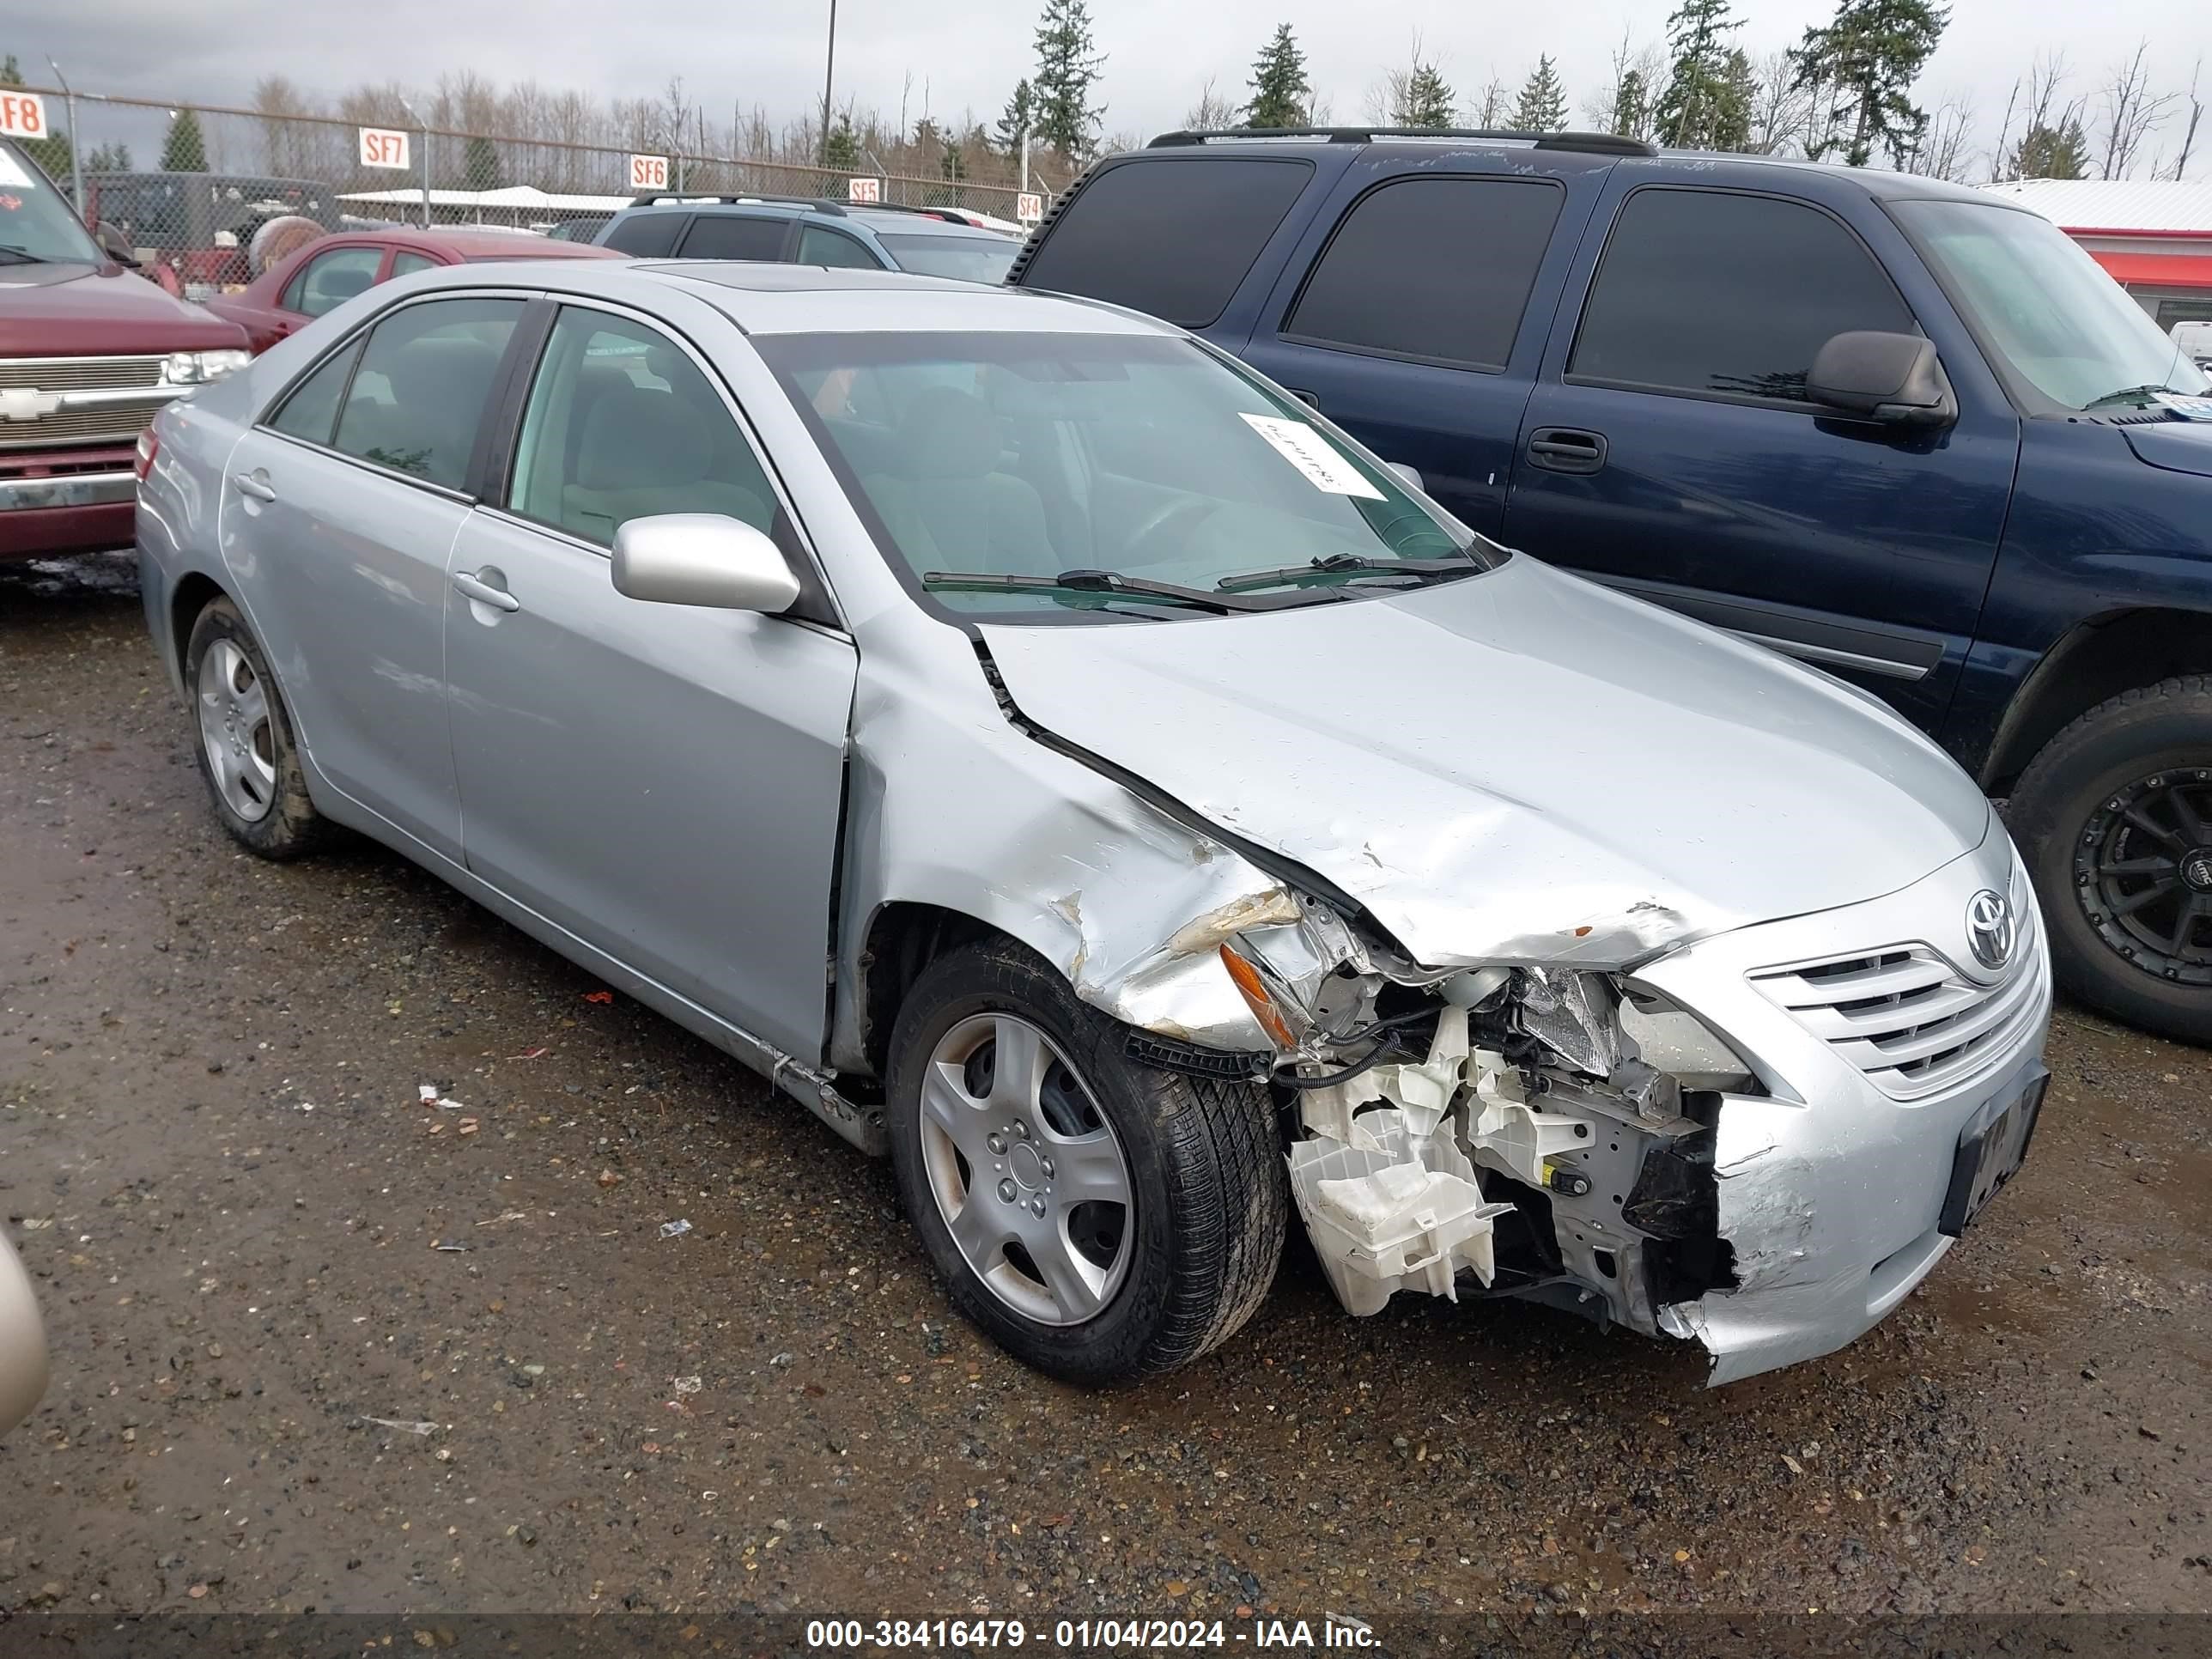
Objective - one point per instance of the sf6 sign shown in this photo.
(380, 147)
(649, 172)
(22, 114)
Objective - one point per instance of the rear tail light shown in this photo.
(148, 447)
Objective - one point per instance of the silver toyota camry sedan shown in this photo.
(1059, 759)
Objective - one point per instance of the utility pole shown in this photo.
(829, 71)
(424, 127)
(76, 139)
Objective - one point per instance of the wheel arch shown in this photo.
(195, 591)
(2094, 661)
(903, 937)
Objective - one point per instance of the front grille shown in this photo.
(79, 374)
(112, 422)
(1906, 1016)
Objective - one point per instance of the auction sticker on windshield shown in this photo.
(12, 174)
(1312, 454)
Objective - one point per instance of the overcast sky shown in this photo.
(968, 53)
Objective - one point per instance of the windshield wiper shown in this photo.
(17, 256)
(1107, 582)
(2127, 394)
(1341, 564)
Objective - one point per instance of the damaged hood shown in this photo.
(1519, 767)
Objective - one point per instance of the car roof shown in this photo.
(881, 220)
(470, 242)
(1428, 151)
(761, 298)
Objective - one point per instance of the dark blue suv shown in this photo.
(1898, 429)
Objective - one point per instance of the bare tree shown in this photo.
(2131, 113)
(2035, 99)
(1943, 152)
(2188, 127)
(1214, 110)
(1624, 103)
(1781, 108)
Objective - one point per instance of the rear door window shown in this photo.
(329, 280)
(817, 246)
(312, 409)
(1725, 295)
(735, 236)
(647, 235)
(1438, 268)
(405, 263)
(419, 393)
(1173, 238)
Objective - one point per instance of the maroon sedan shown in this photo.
(330, 271)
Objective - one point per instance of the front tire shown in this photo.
(1099, 1220)
(2115, 816)
(247, 756)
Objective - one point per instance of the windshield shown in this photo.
(35, 220)
(1142, 458)
(971, 258)
(2045, 306)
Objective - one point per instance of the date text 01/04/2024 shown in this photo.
(1334, 1631)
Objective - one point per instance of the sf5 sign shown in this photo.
(864, 190)
(649, 172)
(22, 114)
(380, 147)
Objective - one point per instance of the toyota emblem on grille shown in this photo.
(1992, 928)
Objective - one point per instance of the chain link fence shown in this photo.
(214, 195)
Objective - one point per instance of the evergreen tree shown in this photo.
(1280, 88)
(842, 153)
(109, 158)
(1696, 35)
(184, 150)
(1067, 71)
(1019, 120)
(1424, 99)
(1733, 99)
(1631, 104)
(1543, 104)
(480, 164)
(1861, 69)
(2046, 152)
(52, 152)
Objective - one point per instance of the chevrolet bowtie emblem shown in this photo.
(27, 404)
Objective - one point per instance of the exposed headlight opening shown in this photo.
(200, 367)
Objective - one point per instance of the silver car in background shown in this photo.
(1060, 759)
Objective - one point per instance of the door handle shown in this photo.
(255, 484)
(1306, 397)
(484, 593)
(1566, 449)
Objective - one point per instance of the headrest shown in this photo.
(634, 438)
(343, 283)
(947, 432)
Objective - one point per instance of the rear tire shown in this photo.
(2116, 816)
(997, 1153)
(247, 756)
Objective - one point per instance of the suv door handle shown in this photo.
(255, 484)
(1306, 397)
(1566, 449)
(484, 593)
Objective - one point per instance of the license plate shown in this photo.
(1992, 1148)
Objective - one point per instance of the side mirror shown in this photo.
(113, 245)
(701, 558)
(1894, 379)
(1408, 476)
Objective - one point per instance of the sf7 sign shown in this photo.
(380, 147)
(22, 114)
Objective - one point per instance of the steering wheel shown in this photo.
(1184, 515)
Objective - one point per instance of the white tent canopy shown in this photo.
(513, 202)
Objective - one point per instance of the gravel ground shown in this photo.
(320, 1347)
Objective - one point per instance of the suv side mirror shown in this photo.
(1894, 379)
(113, 245)
(701, 558)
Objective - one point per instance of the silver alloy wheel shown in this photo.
(234, 728)
(1026, 1170)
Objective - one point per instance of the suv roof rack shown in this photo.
(1595, 144)
(819, 204)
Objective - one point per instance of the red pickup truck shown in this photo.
(88, 351)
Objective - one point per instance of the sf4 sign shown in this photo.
(649, 172)
(1028, 206)
(380, 147)
(864, 190)
(22, 114)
